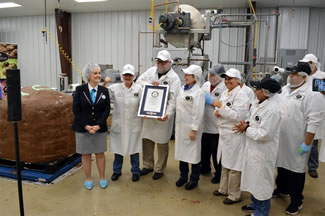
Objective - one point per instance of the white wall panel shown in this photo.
(38, 60)
(112, 38)
(267, 29)
(316, 36)
(294, 29)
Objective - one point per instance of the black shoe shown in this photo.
(191, 185)
(115, 176)
(228, 201)
(247, 208)
(217, 193)
(135, 177)
(180, 182)
(145, 171)
(215, 180)
(157, 176)
(313, 173)
(276, 193)
(293, 209)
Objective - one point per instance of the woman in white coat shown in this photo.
(189, 108)
(302, 111)
(231, 109)
(262, 143)
(213, 90)
(125, 135)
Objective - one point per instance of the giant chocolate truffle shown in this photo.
(45, 132)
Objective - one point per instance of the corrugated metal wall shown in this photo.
(316, 37)
(294, 28)
(38, 60)
(112, 38)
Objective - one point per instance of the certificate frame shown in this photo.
(147, 99)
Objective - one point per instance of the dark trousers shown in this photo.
(184, 169)
(209, 147)
(118, 163)
(291, 183)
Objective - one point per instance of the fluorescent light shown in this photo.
(81, 1)
(9, 5)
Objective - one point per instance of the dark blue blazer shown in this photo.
(87, 113)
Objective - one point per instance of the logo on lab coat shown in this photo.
(229, 104)
(216, 94)
(257, 118)
(165, 83)
(104, 97)
(188, 98)
(154, 94)
(136, 94)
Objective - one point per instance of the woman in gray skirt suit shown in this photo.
(91, 107)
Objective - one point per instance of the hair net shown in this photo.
(243, 77)
(86, 71)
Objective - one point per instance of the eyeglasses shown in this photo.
(161, 62)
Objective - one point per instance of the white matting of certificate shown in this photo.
(154, 100)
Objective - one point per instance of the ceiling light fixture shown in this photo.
(82, 1)
(9, 5)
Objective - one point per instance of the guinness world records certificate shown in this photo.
(153, 101)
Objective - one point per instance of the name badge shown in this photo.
(299, 97)
(119, 94)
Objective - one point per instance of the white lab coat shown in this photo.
(301, 112)
(153, 129)
(231, 144)
(210, 122)
(322, 151)
(189, 109)
(262, 142)
(125, 134)
(320, 134)
(250, 93)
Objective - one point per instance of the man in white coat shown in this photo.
(262, 142)
(213, 90)
(125, 134)
(190, 109)
(311, 59)
(159, 130)
(302, 111)
(231, 109)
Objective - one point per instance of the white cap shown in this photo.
(128, 69)
(195, 70)
(164, 55)
(309, 58)
(232, 72)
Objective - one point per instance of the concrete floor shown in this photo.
(146, 197)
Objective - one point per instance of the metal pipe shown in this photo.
(164, 4)
(262, 14)
(234, 63)
(278, 40)
(266, 43)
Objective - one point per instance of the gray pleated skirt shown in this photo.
(91, 143)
